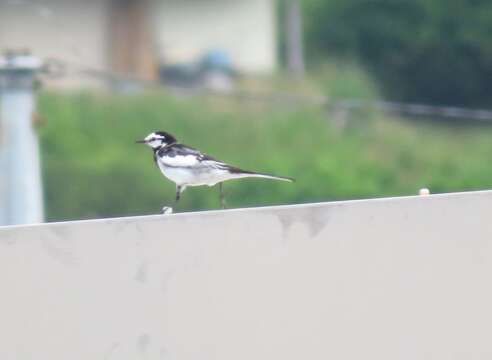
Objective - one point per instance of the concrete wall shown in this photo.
(405, 278)
(73, 31)
(186, 29)
(77, 32)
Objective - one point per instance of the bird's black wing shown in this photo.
(184, 150)
(183, 156)
(179, 155)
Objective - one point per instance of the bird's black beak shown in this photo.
(140, 141)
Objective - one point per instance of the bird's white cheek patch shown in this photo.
(155, 143)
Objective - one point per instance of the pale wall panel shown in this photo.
(70, 30)
(404, 278)
(245, 29)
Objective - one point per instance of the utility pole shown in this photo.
(293, 31)
(21, 200)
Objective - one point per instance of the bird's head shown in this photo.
(158, 139)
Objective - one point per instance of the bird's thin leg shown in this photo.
(179, 190)
(169, 210)
(222, 196)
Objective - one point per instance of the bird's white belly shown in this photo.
(193, 176)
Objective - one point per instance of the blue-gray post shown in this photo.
(21, 200)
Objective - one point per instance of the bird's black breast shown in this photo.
(155, 157)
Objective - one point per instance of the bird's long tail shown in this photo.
(246, 173)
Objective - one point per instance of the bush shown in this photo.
(93, 168)
(431, 51)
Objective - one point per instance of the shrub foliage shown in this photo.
(93, 168)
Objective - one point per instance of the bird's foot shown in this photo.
(167, 210)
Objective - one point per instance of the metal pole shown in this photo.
(293, 29)
(20, 176)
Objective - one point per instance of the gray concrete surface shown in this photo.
(402, 278)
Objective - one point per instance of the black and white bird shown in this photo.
(186, 166)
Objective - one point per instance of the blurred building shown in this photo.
(140, 37)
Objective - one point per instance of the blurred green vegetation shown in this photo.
(92, 167)
(342, 80)
(431, 51)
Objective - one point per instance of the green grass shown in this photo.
(343, 80)
(92, 168)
